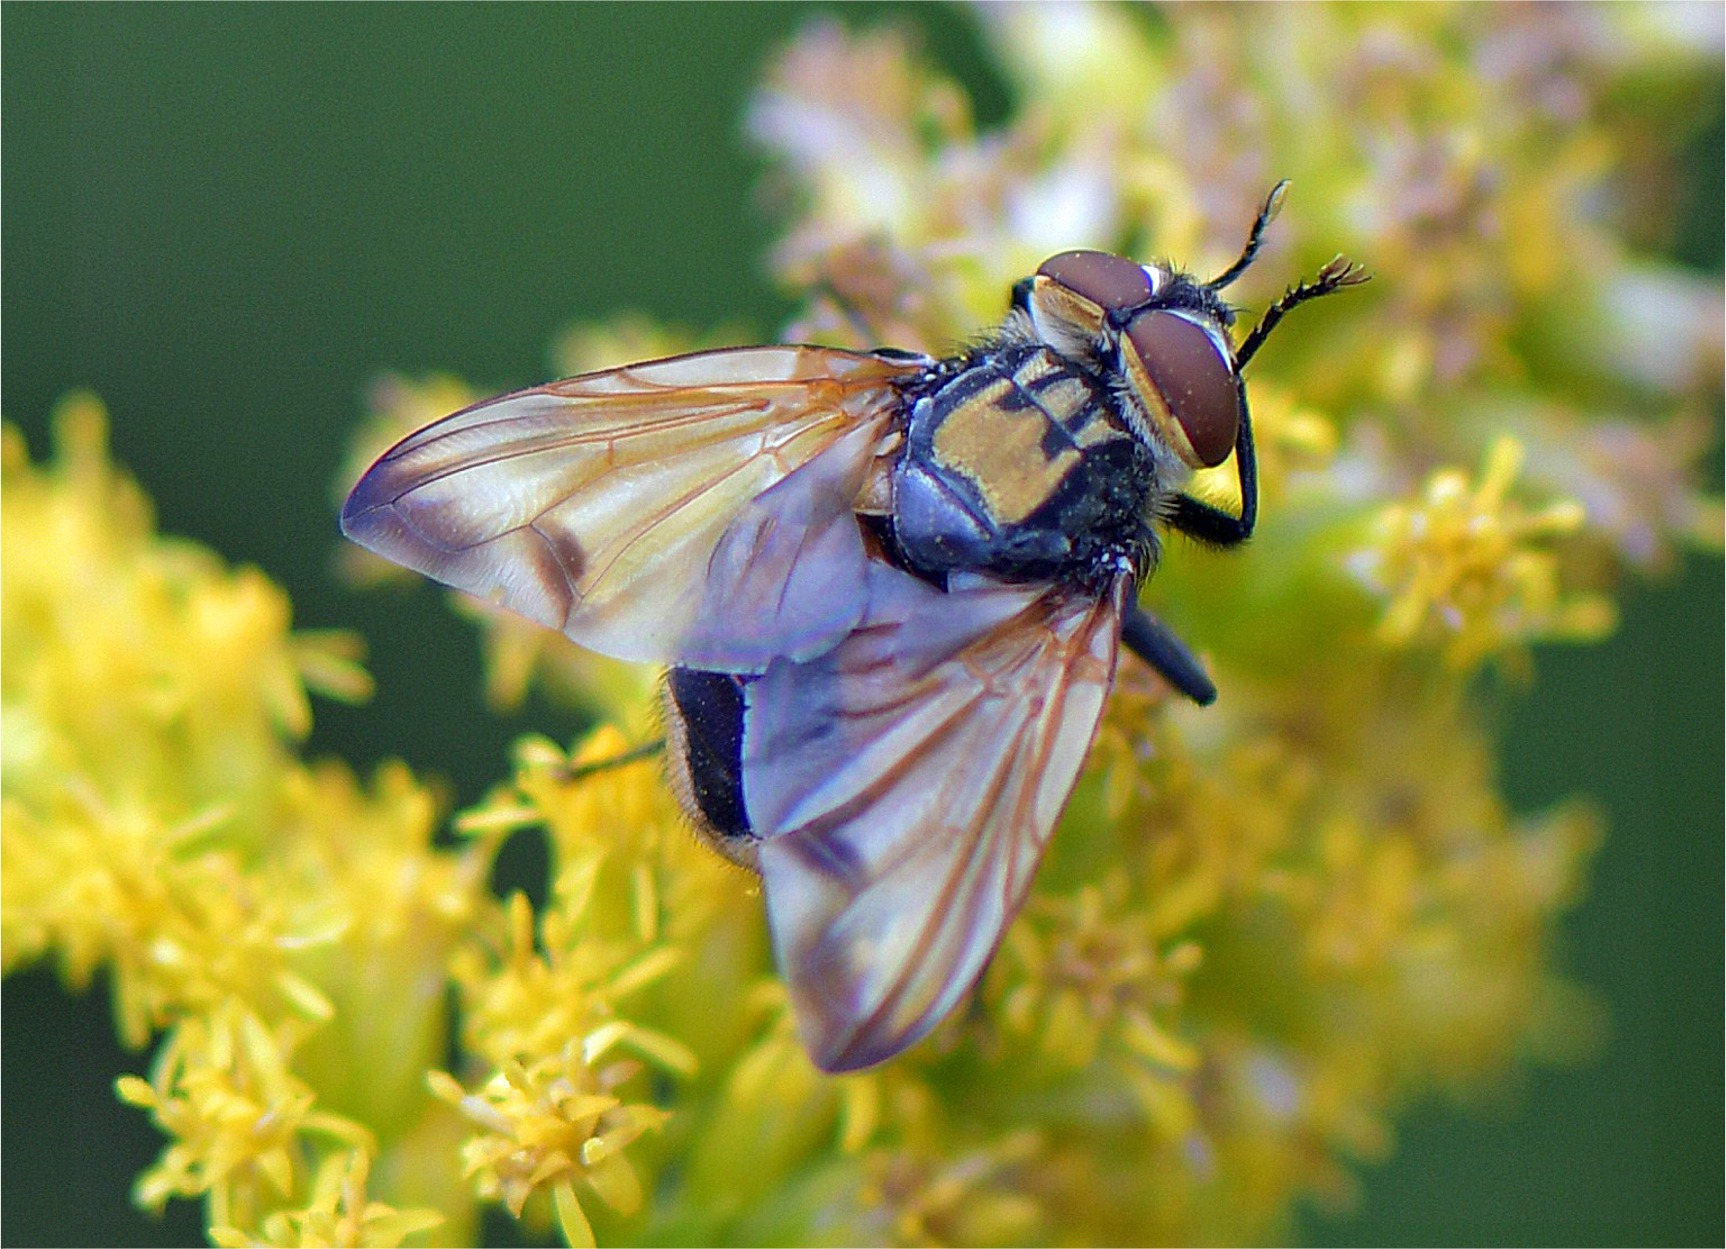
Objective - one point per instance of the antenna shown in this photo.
(1273, 205)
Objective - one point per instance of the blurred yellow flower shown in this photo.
(1469, 564)
(339, 1214)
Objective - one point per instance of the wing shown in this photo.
(904, 786)
(596, 505)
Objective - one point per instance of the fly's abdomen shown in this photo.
(704, 754)
(1018, 467)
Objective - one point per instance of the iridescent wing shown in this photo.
(604, 506)
(904, 785)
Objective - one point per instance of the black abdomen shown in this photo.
(706, 713)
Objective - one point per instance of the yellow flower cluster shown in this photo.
(547, 1125)
(1264, 928)
(339, 1213)
(222, 1088)
(1467, 563)
(157, 824)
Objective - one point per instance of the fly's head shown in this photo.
(1161, 338)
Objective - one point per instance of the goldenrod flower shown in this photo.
(223, 1087)
(1468, 564)
(339, 1215)
(546, 1126)
(976, 1197)
(287, 929)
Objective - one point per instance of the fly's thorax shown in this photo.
(1019, 465)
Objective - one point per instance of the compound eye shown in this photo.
(1113, 283)
(1189, 384)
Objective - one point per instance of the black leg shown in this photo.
(1150, 639)
(1205, 521)
(1208, 522)
(635, 755)
(869, 336)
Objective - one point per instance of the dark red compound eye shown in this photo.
(1112, 282)
(1195, 380)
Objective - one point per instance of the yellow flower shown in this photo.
(1471, 566)
(549, 1124)
(1091, 965)
(146, 692)
(974, 1197)
(182, 927)
(278, 921)
(222, 1086)
(339, 1214)
(531, 1003)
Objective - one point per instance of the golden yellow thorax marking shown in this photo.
(1001, 450)
(1065, 397)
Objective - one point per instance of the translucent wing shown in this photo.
(905, 785)
(597, 505)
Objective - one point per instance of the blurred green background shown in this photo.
(227, 220)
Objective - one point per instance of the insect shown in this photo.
(890, 588)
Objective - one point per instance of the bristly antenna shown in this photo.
(1273, 205)
(1336, 275)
